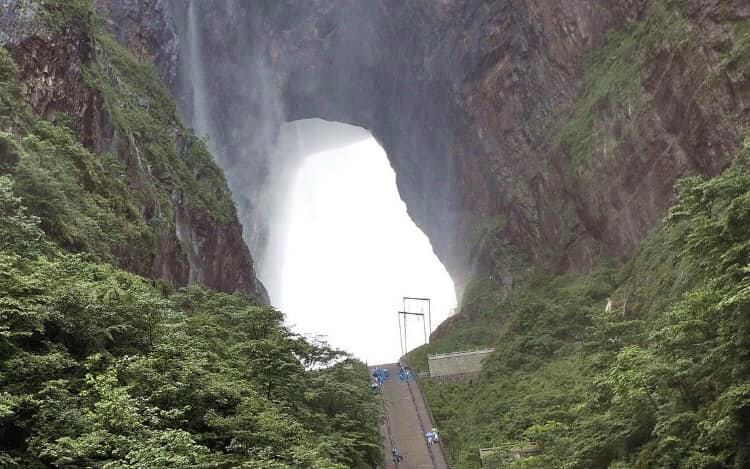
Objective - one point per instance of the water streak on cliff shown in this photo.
(200, 121)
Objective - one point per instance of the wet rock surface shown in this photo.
(147, 29)
(476, 104)
(468, 98)
(52, 64)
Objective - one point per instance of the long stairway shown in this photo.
(406, 421)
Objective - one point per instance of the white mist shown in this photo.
(343, 250)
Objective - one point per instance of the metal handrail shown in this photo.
(421, 422)
(430, 416)
(387, 429)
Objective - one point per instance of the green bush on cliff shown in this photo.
(12, 110)
(613, 90)
(102, 368)
(738, 60)
(142, 111)
(82, 205)
(99, 369)
(81, 198)
(117, 207)
(661, 380)
(60, 14)
(612, 75)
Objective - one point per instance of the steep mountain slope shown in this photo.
(155, 204)
(500, 121)
(660, 380)
(100, 367)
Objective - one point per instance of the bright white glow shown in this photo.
(344, 251)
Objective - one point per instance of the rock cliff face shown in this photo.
(192, 233)
(147, 29)
(522, 132)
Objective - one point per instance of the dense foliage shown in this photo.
(119, 204)
(104, 368)
(100, 369)
(660, 380)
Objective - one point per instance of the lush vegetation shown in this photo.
(607, 116)
(100, 369)
(118, 206)
(103, 368)
(660, 380)
(142, 111)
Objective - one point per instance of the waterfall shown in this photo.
(200, 119)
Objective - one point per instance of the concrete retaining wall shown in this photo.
(457, 363)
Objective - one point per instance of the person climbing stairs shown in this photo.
(405, 424)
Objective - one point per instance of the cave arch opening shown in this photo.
(341, 249)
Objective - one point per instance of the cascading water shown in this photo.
(199, 105)
(344, 282)
(241, 146)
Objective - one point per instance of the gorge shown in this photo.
(579, 168)
(486, 95)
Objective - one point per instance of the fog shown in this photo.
(321, 214)
(342, 250)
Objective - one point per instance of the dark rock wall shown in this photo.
(506, 149)
(147, 29)
(193, 246)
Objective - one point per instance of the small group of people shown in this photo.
(380, 375)
(405, 375)
(431, 437)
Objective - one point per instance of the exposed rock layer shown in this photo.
(505, 147)
(469, 98)
(193, 245)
